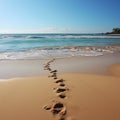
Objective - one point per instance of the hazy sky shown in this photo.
(54, 16)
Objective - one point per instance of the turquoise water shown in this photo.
(26, 46)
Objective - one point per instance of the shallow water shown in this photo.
(40, 46)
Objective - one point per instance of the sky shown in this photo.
(59, 16)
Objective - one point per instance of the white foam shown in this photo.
(62, 36)
(81, 36)
(48, 53)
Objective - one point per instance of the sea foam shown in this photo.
(47, 53)
(44, 46)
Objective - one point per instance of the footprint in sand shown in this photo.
(54, 71)
(56, 108)
(47, 107)
(55, 78)
(59, 81)
(53, 75)
(60, 110)
(62, 95)
(60, 90)
(62, 84)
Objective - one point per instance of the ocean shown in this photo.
(44, 46)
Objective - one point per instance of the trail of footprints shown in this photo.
(57, 107)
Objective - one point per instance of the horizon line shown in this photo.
(58, 33)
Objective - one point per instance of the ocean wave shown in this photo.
(24, 44)
(47, 53)
(84, 36)
(58, 36)
(58, 52)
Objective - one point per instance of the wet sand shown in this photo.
(78, 64)
(63, 95)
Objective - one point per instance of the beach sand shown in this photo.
(90, 86)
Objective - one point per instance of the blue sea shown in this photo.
(44, 46)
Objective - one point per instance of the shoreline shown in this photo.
(58, 52)
(75, 64)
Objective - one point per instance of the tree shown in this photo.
(116, 30)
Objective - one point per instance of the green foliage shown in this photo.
(116, 31)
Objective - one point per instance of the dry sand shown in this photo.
(88, 97)
(93, 97)
(23, 99)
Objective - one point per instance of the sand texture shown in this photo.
(62, 96)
